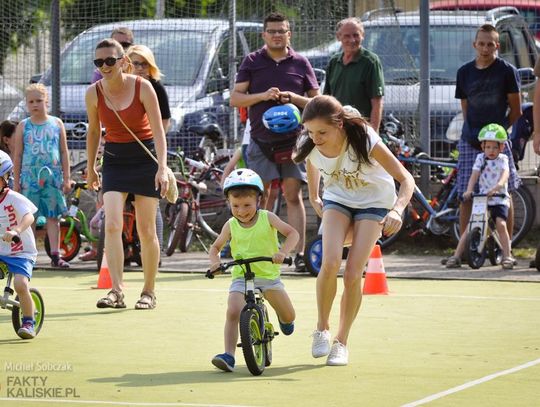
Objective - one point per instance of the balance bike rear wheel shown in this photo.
(39, 312)
(251, 338)
(69, 249)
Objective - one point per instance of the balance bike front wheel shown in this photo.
(475, 259)
(39, 312)
(251, 337)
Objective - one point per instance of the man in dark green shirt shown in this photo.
(354, 76)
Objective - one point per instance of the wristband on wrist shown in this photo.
(396, 211)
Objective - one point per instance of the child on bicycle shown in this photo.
(16, 217)
(252, 232)
(41, 164)
(491, 172)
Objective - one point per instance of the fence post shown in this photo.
(425, 136)
(55, 57)
(232, 135)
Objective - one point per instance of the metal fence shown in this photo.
(193, 47)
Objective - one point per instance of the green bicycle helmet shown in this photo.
(493, 132)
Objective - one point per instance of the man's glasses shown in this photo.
(142, 65)
(109, 61)
(126, 44)
(280, 32)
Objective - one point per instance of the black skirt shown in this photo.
(128, 168)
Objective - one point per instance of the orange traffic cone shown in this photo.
(104, 279)
(375, 281)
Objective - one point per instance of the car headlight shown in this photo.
(177, 119)
(453, 132)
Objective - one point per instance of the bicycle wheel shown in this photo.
(495, 254)
(475, 259)
(524, 213)
(39, 312)
(177, 228)
(537, 258)
(70, 248)
(251, 337)
(313, 256)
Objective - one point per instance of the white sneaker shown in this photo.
(321, 343)
(339, 355)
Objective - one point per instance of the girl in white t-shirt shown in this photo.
(358, 172)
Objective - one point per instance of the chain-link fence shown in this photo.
(192, 43)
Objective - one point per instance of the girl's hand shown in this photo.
(92, 179)
(391, 223)
(317, 205)
(66, 187)
(467, 195)
(162, 181)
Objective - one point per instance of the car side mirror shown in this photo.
(526, 76)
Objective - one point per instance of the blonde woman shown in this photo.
(144, 64)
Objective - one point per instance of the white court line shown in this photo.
(215, 290)
(472, 383)
(115, 403)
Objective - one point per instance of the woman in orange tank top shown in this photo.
(127, 168)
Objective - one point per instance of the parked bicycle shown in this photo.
(185, 218)
(14, 305)
(73, 227)
(256, 330)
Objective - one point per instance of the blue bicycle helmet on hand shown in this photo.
(243, 177)
(282, 118)
(6, 165)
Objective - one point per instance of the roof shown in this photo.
(184, 24)
(482, 4)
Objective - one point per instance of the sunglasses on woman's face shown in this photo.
(109, 61)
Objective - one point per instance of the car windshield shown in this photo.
(179, 55)
(399, 51)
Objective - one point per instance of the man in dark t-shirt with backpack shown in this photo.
(272, 75)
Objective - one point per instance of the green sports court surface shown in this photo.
(440, 343)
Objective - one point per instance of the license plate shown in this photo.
(76, 156)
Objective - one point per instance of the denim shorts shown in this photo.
(19, 265)
(498, 211)
(263, 284)
(376, 214)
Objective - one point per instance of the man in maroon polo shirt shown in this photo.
(273, 75)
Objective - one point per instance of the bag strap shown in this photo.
(124, 124)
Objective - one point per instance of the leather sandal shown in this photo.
(113, 299)
(147, 301)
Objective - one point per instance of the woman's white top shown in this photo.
(352, 184)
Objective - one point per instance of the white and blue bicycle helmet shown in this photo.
(6, 165)
(243, 177)
(282, 118)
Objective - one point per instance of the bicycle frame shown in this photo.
(5, 301)
(77, 216)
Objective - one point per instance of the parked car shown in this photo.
(395, 38)
(529, 9)
(9, 97)
(191, 53)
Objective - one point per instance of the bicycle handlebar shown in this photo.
(224, 266)
(491, 196)
(79, 185)
(16, 238)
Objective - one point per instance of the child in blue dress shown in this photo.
(41, 164)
